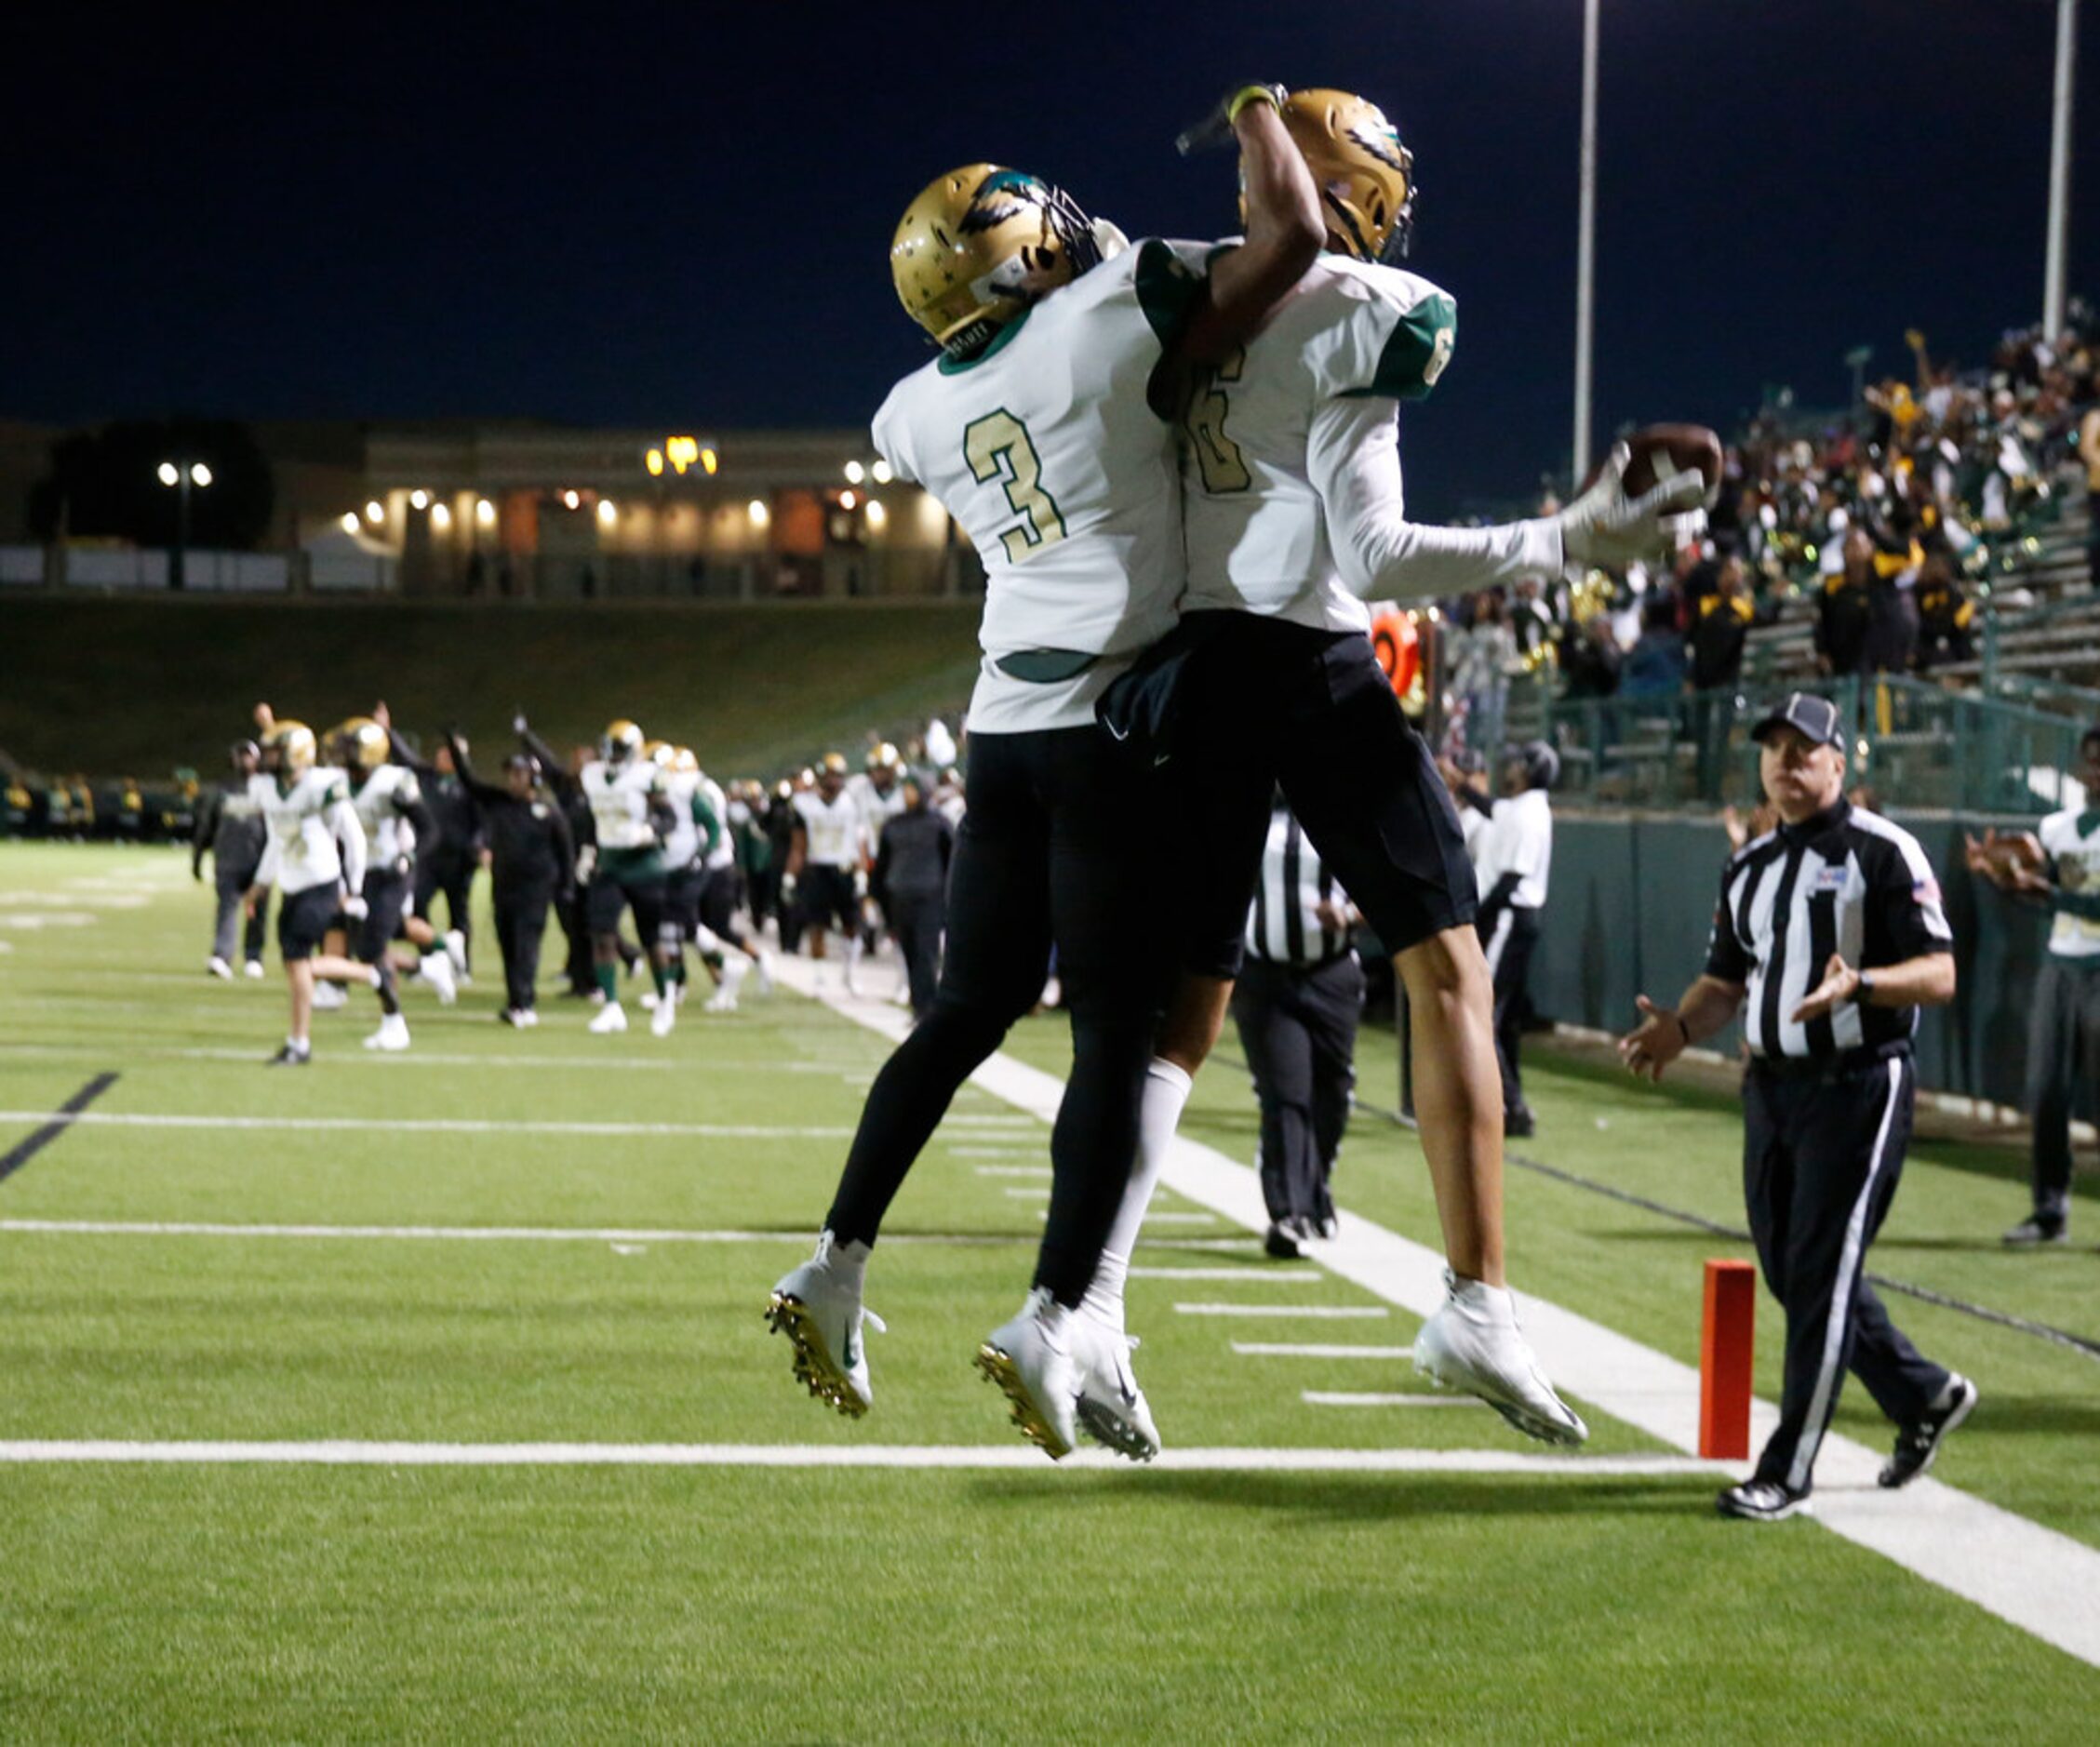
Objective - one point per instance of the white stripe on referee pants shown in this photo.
(1500, 937)
(1841, 1292)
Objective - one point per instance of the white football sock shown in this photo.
(1160, 1111)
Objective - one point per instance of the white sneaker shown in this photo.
(665, 1016)
(611, 1017)
(455, 943)
(252, 970)
(392, 1035)
(735, 968)
(764, 973)
(901, 995)
(723, 1000)
(527, 1017)
(1029, 1360)
(818, 1307)
(1110, 1406)
(437, 969)
(1473, 1343)
(219, 969)
(648, 1000)
(329, 996)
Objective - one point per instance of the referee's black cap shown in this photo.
(1815, 718)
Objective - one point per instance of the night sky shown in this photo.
(679, 216)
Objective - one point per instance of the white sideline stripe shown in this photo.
(2043, 1582)
(348, 1453)
(438, 1125)
(1154, 1217)
(1344, 1398)
(1292, 1277)
(515, 1234)
(1315, 1350)
(1331, 1313)
(1013, 1170)
(421, 1058)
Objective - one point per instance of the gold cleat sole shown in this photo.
(998, 1368)
(814, 1366)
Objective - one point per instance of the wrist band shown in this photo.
(1251, 94)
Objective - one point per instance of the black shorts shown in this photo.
(1261, 702)
(681, 898)
(825, 898)
(389, 902)
(1061, 847)
(303, 918)
(720, 891)
(609, 894)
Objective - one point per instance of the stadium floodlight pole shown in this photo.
(2059, 169)
(1586, 247)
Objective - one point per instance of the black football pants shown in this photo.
(521, 925)
(2062, 1054)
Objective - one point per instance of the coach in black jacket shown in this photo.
(1828, 938)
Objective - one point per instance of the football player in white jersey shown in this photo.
(631, 816)
(878, 790)
(315, 859)
(725, 945)
(1043, 427)
(827, 863)
(397, 823)
(1290, 473)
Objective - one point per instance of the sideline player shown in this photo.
(725, 945)
(631, 815)
(1044, 428)
(1294, 513)
(315, 859)
(827, 863)
(230, 826)
(531, 857)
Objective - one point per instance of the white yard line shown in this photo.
(1013, 1170)
(1035, 1192)
(1344, 1398)
(994, 1151)
(1317, 1349)
(420, 1058)
(438, 1125)
(1309, 1313)
(348, 1453)
(1292, 1277)
(2045, 1583)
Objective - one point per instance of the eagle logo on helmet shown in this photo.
(1365, 175)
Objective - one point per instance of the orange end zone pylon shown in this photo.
(1724, 1361)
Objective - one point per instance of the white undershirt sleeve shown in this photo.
(343, 820)
(1353, 457)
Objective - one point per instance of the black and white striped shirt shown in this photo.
(1284, 926)
(1845, 881)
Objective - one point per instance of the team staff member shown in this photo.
(2060, 865)
(533, 856)
(911, 883)
(1513, 864)
(230, 825)
(1828, 938)
(1296, 1004)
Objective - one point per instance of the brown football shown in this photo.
(1689, 446)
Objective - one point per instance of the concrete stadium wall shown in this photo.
(1633, 897)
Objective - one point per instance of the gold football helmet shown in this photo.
(883, 757)
(360, 744)
(659, 753)
(288, 748)
(980, 244)
(1365, 175)
(683, 761)
(621, 741)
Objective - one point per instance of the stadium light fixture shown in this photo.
(608, 513)
(878, 518)
(440, 516)
(349, 521)
(180, 478)
(855, 473)
(419, 500)
(485, 513)
(653, 461)
(848, 500)
(572, 498)
(709, 461)
(199, 474)
(169, 474)
(882, 472)
(375, 512)
(760, 515)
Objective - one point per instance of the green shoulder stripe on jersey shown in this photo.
(1415, 354)
(954, 366)
(1167, 289)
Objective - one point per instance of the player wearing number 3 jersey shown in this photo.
(1044, 428)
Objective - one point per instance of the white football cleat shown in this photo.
(735, 968)
(392, 1035)
(1111, 1407)
(437, 969)
(818, 1307)
(666, 1014)
(329, 996)
(611, 1017)
(764, 973)
(1030, 1361)
(455, 943)
(252, 970)
(527, 1017)
(648, 1000)
(219, 967)
(1473, 1343)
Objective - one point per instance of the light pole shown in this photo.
(1585, 248)
(2059, 169)
(181, 475)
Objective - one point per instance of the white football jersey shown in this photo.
(724, 853)
(681, 848)
(1290, 467)
(1519, 840)
(2077, 858)
(305, 822)
(833, 827)
(390, 839)
(1044, 449)
(876, 808)
(618, 796)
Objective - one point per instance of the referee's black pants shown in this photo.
(1056, 850)
(2062, 1054)
(1821, 1156)
(521, 925)
(1511, 937)
(1298, 1027)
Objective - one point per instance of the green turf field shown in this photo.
(186, 1601)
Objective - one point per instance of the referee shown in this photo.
(1827, 939)
(1296, 1004)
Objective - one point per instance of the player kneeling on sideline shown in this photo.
(315, 859)
(1828, 1093)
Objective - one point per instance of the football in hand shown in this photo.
(1687, 447)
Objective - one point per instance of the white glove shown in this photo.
(860, 882)
(1605, 528)
(788, 883)
(355, 907)
(586, 863)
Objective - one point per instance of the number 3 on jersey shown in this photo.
(997, 447)
(1223, 467)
